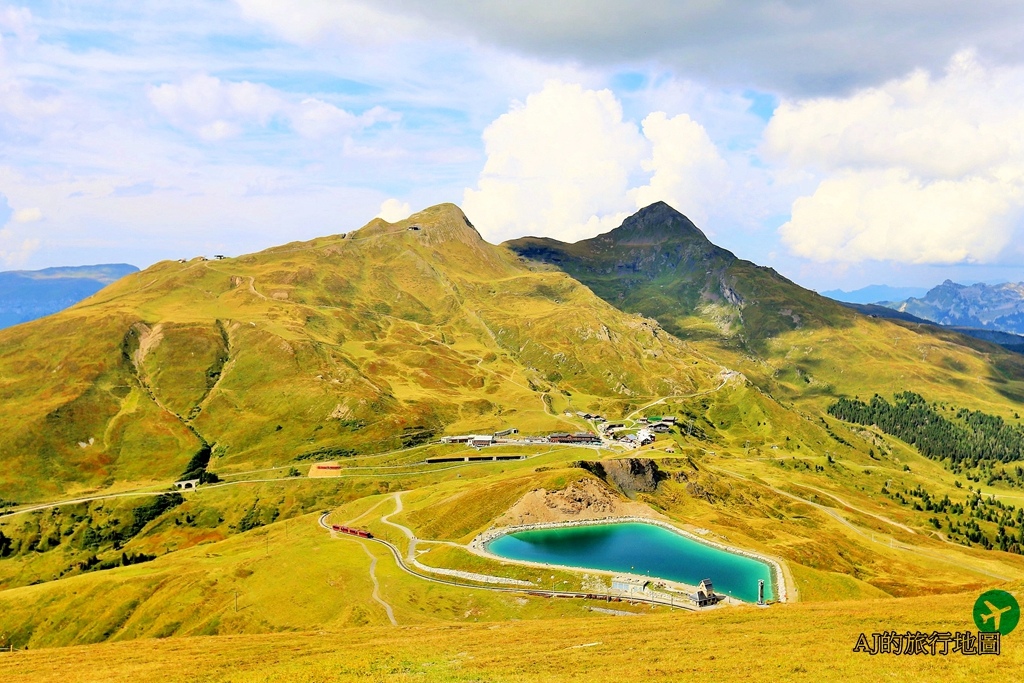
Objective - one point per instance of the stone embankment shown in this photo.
(478, 544)
(468, 576)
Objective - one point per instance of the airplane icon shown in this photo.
(995, 614)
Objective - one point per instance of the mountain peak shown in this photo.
(436, 224)
(655, 224)
(444, 222)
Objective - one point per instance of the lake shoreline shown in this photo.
(478, 546)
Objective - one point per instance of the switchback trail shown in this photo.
(411, 553)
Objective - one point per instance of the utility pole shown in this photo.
(236, 601)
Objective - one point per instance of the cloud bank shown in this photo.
(215, 110)
(793, 46)
(920, 170)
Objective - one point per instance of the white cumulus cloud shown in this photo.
(565, 164)
(393, 210)
(15, 250)
(557, 164)
(893, 215)
(688, 171)
(919, 170)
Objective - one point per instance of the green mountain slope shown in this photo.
(660, 264)
(793, 343)
(387, 336)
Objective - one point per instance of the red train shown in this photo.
(349, 530)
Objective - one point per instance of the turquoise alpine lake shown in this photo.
(637, 548)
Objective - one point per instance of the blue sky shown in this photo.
(843, 143)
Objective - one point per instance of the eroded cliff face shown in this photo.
(629, 475)
(584, 499)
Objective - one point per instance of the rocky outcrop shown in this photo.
(630, 475)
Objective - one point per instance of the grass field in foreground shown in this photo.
(798, 642)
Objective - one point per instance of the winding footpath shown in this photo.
(411, 554)
(376, 585)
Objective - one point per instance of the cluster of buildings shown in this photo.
(641, 438)
(586, 416)
(644, 436)
(484, 440)
(474, 440)
(659, 425)
(607, 430)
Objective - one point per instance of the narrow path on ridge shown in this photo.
(856, 509)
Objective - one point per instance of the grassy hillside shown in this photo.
(362, 349)
(808, 642)
(360, 343)
(838, 537)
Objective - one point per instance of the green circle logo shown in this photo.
(996, 610)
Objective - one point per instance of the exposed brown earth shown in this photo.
(584, 499)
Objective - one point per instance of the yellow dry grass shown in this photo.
(802, 642)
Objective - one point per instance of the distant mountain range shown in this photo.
(29, 294)
(872, 294)
(987, 307)
(994, 313)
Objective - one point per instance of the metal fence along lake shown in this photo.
(637, 548)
